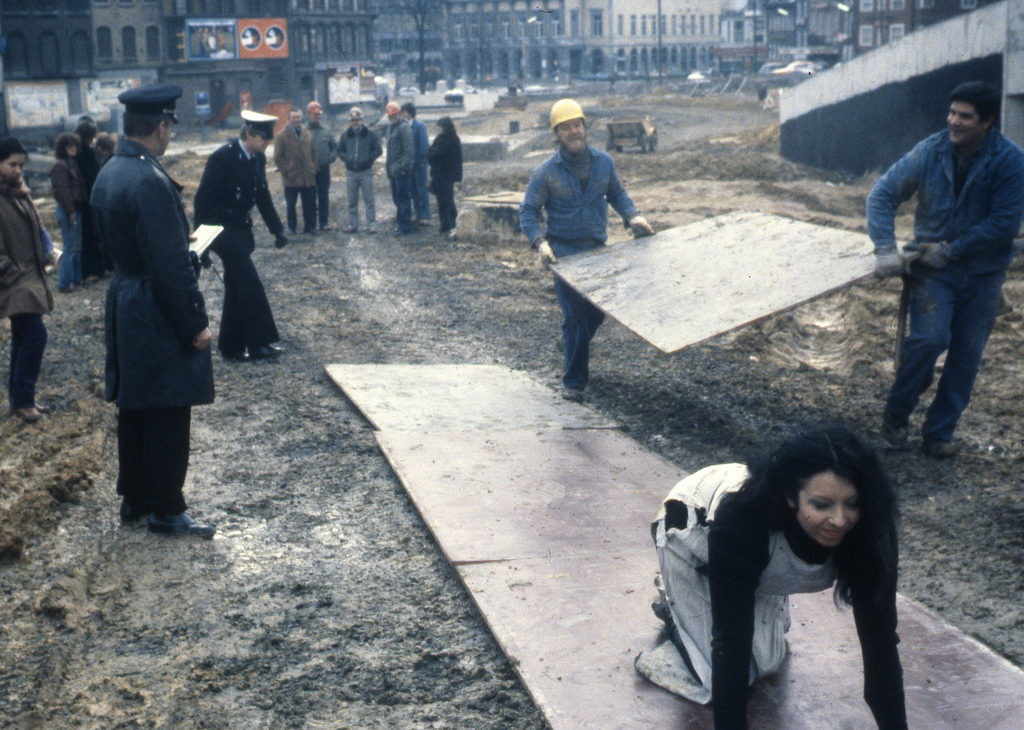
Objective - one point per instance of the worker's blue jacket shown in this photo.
(980, 224)
(573, 213)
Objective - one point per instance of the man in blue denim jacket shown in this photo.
(969, 181)
(574, 189)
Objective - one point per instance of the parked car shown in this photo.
(807, 68)
(455, 96)
(697, 77)
(770, 67)
(408, 91)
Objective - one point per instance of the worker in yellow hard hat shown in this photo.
(574, 189)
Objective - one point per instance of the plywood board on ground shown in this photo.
(688, 284)
(500, 495)
(457, 397)
(550, 533)
(505, 197)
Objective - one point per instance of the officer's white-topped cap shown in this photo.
(255, 117)
(261, 124)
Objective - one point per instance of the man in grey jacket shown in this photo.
(358, 148)
(325, 146)
(399, 167)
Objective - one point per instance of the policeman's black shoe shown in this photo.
(131, 511)
(179, 524)
(265, 352)
(939, 449)
(242, 356)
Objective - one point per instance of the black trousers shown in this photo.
(246, 322)
(152, 457)
(445, 193)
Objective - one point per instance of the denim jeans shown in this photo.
(291, 195)
(949, 311)
(420, 191)
(323, 194)
(28, 341)
(580, 319)
(401, 193)
(356, 183)
(71, 259)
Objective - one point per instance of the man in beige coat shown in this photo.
(295, 157)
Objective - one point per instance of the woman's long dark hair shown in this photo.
(867, 557)
(447, 126)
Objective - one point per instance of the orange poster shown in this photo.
(262, 38)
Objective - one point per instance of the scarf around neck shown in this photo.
(24, 194)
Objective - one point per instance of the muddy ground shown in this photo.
(324, 602)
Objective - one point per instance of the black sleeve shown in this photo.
(737, 555)
(264, 202)
(883, 674)
(214, 179)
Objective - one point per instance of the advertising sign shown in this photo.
(40, 104)
(211, 40)
(351, 84)
(263, 38)
(100, 95)
(202, 102)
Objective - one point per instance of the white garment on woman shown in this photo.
(683, 556)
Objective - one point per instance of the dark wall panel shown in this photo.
(871, 131)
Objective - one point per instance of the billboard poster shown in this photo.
(100, 95)
(40, 104)
(350, 84)
(211, 40)
(263, 38)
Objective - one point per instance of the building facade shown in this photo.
(562, 40)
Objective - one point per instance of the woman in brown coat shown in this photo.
(24, 293)
(70, 193)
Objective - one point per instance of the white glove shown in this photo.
(545, 255)
(640, 227)
(890, 261)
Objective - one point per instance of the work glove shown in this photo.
(280, 240)
(935, 255)
(890, 261)
(205, 259)
(546, 255)
(640, 227)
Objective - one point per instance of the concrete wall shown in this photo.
(863, 115)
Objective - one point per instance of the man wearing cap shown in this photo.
(235, 180)
(574, 188)
(358, 148)
(295, 157)
(420, 144)
(399, 164)
(157, 333)
(326, 153)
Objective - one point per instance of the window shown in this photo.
(865, 36)
(643, 25)
(693, 25)
(674, 24)
(661, 26)
(867, 6)
(622, 25)
(456, 32)
(128, 49)
(897, 5)
(632, 25)
(895, 32)
(596, 23)
(968, 4)
(506, 30)
(702, 25)
(17, 55)
(152, 43)
(556, 26)
(49, 54)
(80, 52)
(926, 4)
(574, 23)
(104, 47)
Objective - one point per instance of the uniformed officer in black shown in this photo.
(235, 179)
(157, 334)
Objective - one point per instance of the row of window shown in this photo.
(331, 40)
(869, 35)
(870, 6)
(129, 49)
(549, 24)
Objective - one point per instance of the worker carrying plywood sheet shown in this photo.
(574, 188)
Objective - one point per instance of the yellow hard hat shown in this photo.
(564, 110)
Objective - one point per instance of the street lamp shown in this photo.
(522, 55)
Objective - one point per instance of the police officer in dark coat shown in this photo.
(157, 333)
(235, 179)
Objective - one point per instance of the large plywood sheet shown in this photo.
(501, 495)
(457, 397)
(688, 284)
(550, 533)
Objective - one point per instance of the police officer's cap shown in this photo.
(261, 124)
(149, 100)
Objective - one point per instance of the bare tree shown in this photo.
(425, 15)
